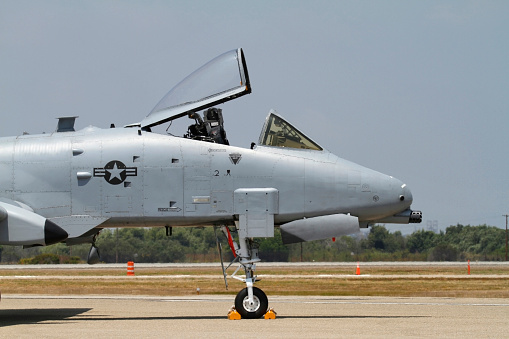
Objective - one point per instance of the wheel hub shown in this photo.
(251, 307)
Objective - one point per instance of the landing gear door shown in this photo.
(256, 208)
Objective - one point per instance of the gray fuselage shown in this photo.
(126, 177)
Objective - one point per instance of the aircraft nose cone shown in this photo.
(402, 191)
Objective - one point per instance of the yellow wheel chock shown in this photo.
(271, 314)
(233, 314)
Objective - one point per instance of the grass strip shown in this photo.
(486, 282)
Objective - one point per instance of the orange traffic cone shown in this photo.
(358, 270)
(130, 268)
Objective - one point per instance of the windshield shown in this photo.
(221, 79)
(280, 133)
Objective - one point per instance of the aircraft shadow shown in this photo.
(12, 317)
(95, 318)
(33, 316)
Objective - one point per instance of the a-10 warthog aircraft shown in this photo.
(68, 185)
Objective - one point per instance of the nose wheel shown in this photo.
(251, 309)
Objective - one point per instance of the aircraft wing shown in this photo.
(221, 79)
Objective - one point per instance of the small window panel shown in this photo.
(278, 132)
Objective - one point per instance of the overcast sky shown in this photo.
(415, 89)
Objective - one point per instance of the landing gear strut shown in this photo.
(251, 302)
(93, 254)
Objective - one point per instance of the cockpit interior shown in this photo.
(210, 128)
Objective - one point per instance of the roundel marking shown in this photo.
(115, 172)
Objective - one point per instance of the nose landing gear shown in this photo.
(251, 302)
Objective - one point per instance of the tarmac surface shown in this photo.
(28, 316)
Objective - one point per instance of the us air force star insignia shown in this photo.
(235, 158)
(115, 172)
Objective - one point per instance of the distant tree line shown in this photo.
(152, 245)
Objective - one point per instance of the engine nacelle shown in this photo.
(318, 228)
(19, 226)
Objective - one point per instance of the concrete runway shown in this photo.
(205, 316)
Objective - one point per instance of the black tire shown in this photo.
(255, 312)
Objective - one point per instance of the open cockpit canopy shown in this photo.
(221, 79)
(280, 133)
